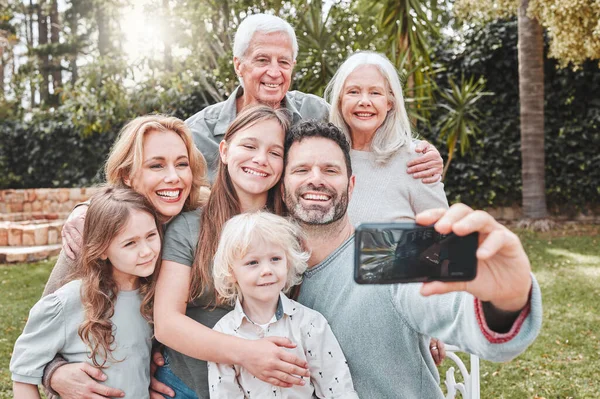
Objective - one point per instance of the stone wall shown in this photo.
(26, 204)
(34, 217)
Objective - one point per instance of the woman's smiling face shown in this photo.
(254, 157)
(165, 176)
(364, 100)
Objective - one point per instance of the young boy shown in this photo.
(259, 258)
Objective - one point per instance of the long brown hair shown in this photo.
(107, 215)
(127, 156)
(224, 203)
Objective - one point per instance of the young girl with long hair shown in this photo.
(251, 164)
(103, 315)
(260, 257)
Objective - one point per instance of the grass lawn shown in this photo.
(564, 362)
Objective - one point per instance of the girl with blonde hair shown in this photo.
(103, 314)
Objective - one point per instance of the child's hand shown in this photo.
(157, 388)
(268, 361)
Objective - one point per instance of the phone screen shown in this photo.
(406, 252)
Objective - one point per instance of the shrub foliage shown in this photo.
(66, 146)
(491, 174)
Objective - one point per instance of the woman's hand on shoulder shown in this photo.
(267, 360)
(428, 166)
(72, 232)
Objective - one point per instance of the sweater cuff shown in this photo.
(51, 367)
(496, 337)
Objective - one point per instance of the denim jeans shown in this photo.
(165, 375)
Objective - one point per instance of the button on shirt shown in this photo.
(330, 376)
(209, 125)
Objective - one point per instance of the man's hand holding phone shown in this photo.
(503, 269)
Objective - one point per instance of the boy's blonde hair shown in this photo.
(235, 241)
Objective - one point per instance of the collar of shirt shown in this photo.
(229, 110)
(284, 306)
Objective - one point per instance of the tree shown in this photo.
(572, 27)
(410, 26)
(531, 98)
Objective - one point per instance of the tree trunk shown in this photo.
(29, 34)
(43, 54)
(3, 43)
(531, 96)
(72, 22)
(103, 31)
(168, 53)
(54, 39)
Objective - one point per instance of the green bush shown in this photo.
(491, 174)
(67, 146)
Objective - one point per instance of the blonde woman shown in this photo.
(155, 155)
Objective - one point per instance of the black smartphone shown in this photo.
(387, 253)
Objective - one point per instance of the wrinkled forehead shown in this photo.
(278, 42)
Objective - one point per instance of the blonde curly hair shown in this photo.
(236, 239)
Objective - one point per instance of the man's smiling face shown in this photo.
(316, 183)
(266, 68)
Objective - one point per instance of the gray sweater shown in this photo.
(52, 328)
(384, 330)
(386, 193)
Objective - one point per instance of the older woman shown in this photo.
(367, 104)
(155, 155)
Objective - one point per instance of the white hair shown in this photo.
(263, 23)
(235, 241)
(395, 130)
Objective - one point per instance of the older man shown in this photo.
(264, 55)
(384, 329)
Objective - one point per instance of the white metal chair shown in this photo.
(469, 388)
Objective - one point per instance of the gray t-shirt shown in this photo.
(181, 239)
(384, 330)
(52, 328)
